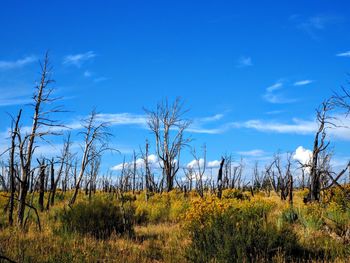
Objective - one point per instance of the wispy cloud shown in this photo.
(215, 117)
(252, 153)
(5, 65)
(344, 54)
(78, 59)
(21, 95)
(87, 74)
(14, 101)
(272, 96)
(274, 87)
(297, 126)
(303, 82)
(100, 79)
(244, 62)
(122, 118)
(274, 112)
(140, 121)
(313, 25)
(199, 125)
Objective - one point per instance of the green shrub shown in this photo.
(289, 215)
(311, 217)
(98, 218)
(239, 235)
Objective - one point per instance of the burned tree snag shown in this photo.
(220, 178)
(42, 184)
(12, 171)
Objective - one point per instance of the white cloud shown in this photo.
(344, 54)
(194, 163)
(152, 160)
(315, 24)
(201, 130)
(78, 59)
(277, 98)
(297, 126)
(213, 164)
(302, 155)
(252, 153)
(274, 87)
(122, 118)
(15, 101)
(197, 126)
(244, 62)
(271, 96)
(303, 82)
(17, 63)
(215, 117)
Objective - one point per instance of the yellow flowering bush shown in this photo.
(161, 207)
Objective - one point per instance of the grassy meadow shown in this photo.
(178, 227)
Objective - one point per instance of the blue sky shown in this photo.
(251, 72)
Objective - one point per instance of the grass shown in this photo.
(170, 228)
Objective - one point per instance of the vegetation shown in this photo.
(170, 227)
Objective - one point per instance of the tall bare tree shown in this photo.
(198, 169)
(168, 125)
(42, 126)
(64, 160)
(219, 183)
(12, 169)
(96, 137)
(324, 121)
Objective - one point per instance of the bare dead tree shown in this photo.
(64, 159)
(12, 169)
(150, 185)
(258, 178)
(189, 173)
(168, 126)
(237, 175)
(219, 183)
(96, 137)
(227, 172)
(280, 177)
(324, 121)
(51, 173)
(3, 177)
(93, 173)
(42, 126)
(198, 169)
(42, 172)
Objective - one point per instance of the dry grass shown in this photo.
(164, 240)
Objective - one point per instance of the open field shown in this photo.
(171, 227)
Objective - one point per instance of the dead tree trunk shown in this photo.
(42, 185)
(12, 168)
(27, 144)
(324, 121)
(220, 178)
